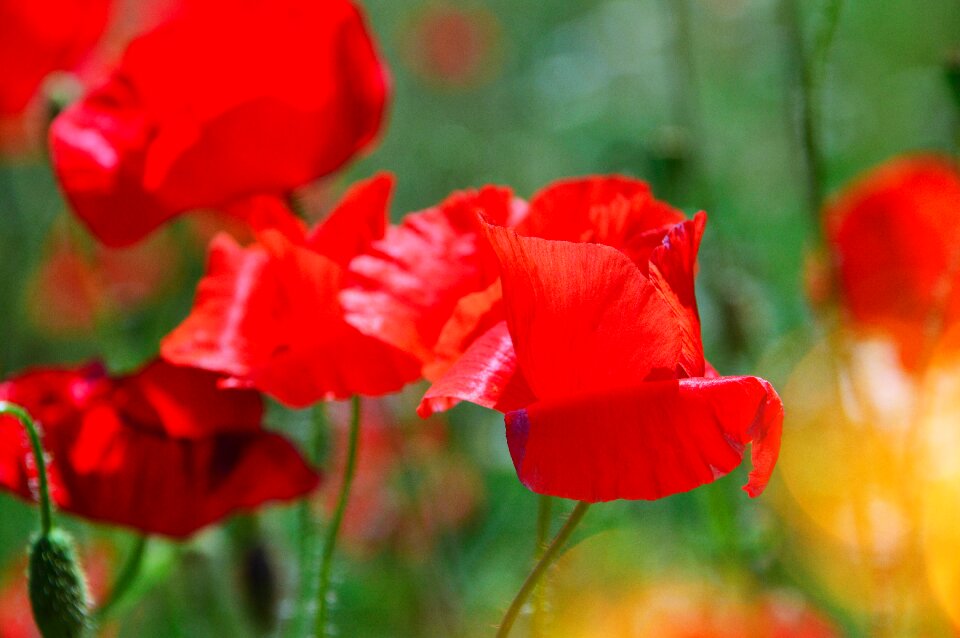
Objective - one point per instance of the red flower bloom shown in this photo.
(600, 371)
(431, 285)
(895, 239)
(37, 38)
(269, 317)
(165, 450)
(194, 98)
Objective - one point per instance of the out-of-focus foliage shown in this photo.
(694, 96)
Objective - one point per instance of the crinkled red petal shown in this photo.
(648, 442)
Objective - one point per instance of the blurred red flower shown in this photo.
(194, 98)
(431, 285)
(42, 36)
(75, 285)
(164, 450)
(894, 235)
(452, 45)
(268, 315)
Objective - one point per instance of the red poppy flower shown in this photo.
(895, 238)
(453, 46)
(268, 315)
(37, 38)
(164, 450)
(195, 116)
(600, 371)
(431, 285)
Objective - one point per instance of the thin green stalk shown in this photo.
(330, 541)
(127, 577)
(46, 506)
(544, 512)
(545, 561)
(808, 66)
(544, 516)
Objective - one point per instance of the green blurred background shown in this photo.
(696, 96)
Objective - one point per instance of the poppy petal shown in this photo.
(37, 38)
(648, 442)
(269, 316)
(192, 97)
(672, 270)
(229, 329)
(582, 316)
(123, 475)
(111, 461)
(319, 356)
(486, 375)
(611, 210)
(185, 402)
(473, 315)
(358, 220)
(406, 287)
(268, 212)
(563, 209)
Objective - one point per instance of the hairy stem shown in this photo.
(333, 530)
(46, 506)
(544, 511)
(551, 553)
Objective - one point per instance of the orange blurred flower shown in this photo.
(602, 588)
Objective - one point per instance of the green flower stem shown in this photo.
(127, 577)
(308, 536)
(46, 506)
(333, 530)
(544, 512)
(808, 66)
(545, 561)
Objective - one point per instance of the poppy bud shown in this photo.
(58, 591)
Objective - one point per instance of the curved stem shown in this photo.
(330, 541)
(544, 511)
(545, 561)
(46, 506)
(126, 578)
